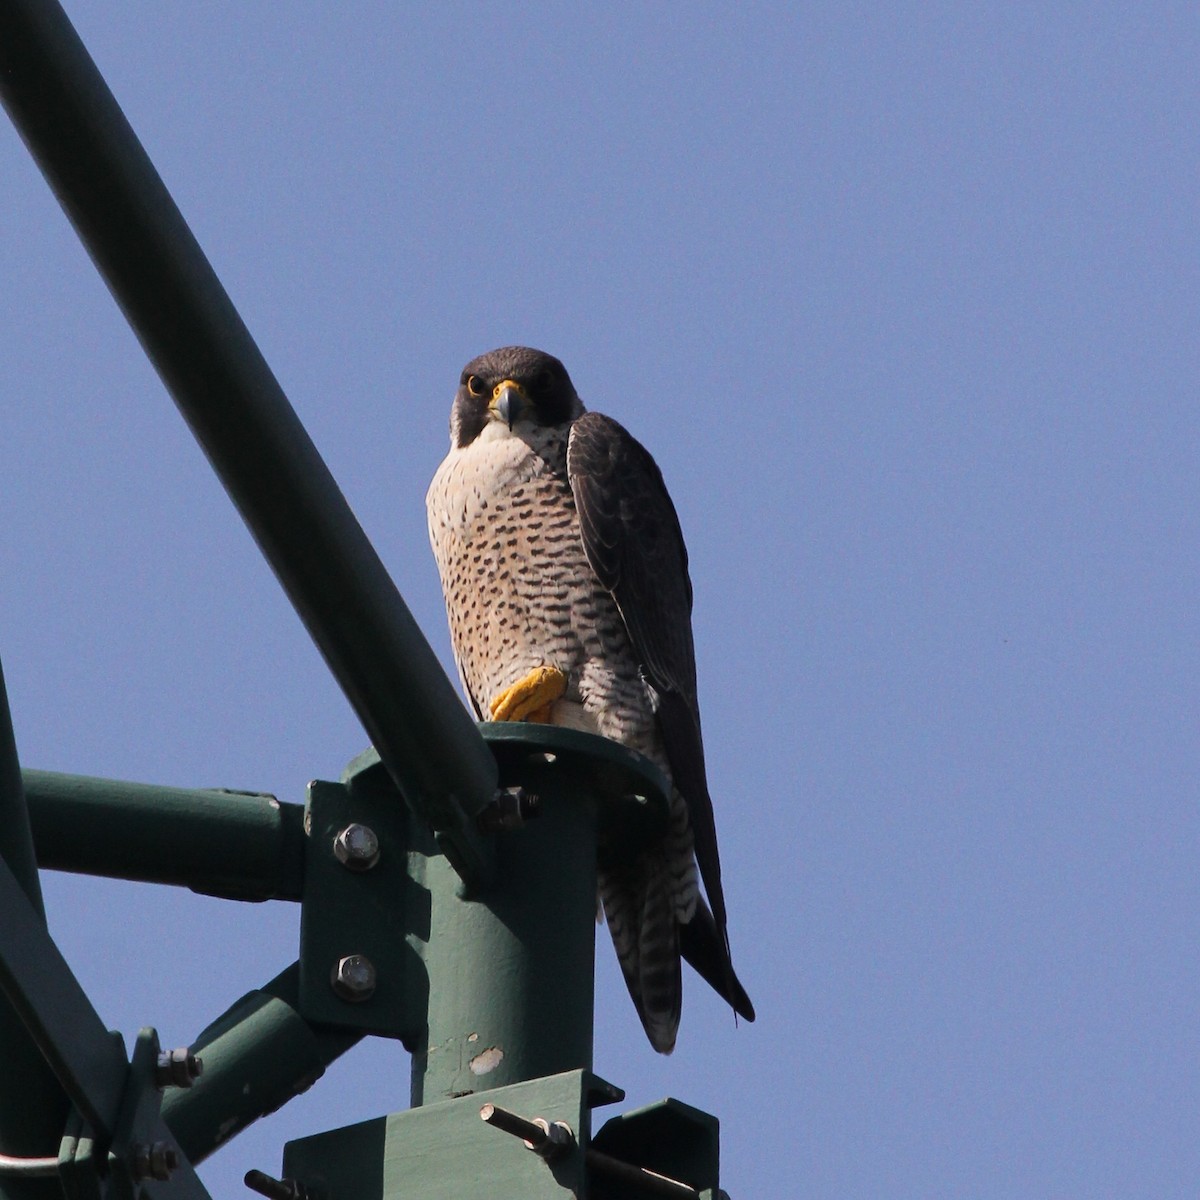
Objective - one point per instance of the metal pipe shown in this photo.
(238, 413)
(511, 973)
(230, 844)
(640, 1179)
(257, 1056)
(28, 1168)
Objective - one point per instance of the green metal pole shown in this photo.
(33, 1107)
(188, 326)
(258, 1056)
(229, 844)
(511, 973)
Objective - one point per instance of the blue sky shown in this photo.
(905, 303)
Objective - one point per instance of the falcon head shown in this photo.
(511, 389)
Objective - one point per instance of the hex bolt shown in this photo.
(353, 978)
(155, 1161)
(356, 847)
(178, 1068)
(548, 1140)
(509, 809)
(277, 1189)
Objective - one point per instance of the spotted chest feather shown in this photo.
(520, 591)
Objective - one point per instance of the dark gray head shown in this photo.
(512, 386)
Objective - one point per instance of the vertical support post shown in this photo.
(32, 1116)
(511, 971)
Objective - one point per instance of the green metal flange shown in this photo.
(444, 1151)
(530, 1140)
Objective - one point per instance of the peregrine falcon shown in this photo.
(567, 590)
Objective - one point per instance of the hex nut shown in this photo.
(155, 1161)
(356, 847)
(353, 978)
(178, 1068)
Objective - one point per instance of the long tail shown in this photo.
(640, 910)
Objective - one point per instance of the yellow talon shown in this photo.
(530, 698)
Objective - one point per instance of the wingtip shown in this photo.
(705, 947)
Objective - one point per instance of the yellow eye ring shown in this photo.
(475, 385)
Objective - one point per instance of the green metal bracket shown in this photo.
(357, 967)
(134, 1144)
(670, 1138)
(475, 1146)
(445, 1152)
(629, 790)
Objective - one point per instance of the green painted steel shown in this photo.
(367, 911)
(257, 1056)
(669, 1137)
(237, 845)
(119, 1106)
(510, 969)
(32, 1115)
(223, 387)
(482, 942)
(139, 1127)
(445, 1151)
(46, 996)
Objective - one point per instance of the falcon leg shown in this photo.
(531, 698)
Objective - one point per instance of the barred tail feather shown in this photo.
(639, 906)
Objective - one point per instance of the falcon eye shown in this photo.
(544, 379)
(475, 385)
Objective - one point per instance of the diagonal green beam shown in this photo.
(86, 1059)
(200, 347)
(46, 996)
(257, 1056)
(31, 1115)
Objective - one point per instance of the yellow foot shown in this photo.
(531, 698)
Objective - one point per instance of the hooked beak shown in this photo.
(508, 401)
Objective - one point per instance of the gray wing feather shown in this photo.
(632, 540)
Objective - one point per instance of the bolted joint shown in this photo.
(548, 1140)
(279, 1189)
(353, 978)
(154, 1161)
(509, 809)
(177, 1068)
(356, 847)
